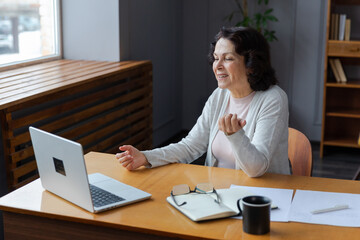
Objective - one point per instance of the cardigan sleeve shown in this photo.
(254, 157)
(189, 148)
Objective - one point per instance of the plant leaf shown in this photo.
(272, 18)
(259, 20)
(268, 11)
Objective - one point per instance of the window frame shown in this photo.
(58, 41)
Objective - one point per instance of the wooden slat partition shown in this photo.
(98, 104)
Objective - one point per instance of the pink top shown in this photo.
(221, 148)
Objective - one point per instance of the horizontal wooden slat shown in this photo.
(26, 181)
(52, 95)
(101, 146)
(24, 169)
(87, 113)
(143, 145)
(114, 140)
(22, 154)
(126, 133)
(66, 84)
(140, 141)
(48, 83)
(41, 73)
(34, 68)
(103, 132)
(137, 140)
(79, 102)
(118, 114)
(51, 67)
(37, 79)
(41, 115)
(98, 104)
(28, 152)
(80, 116)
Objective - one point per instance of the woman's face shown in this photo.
(229, 69)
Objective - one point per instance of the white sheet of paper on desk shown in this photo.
(305, 202)
(279, 197)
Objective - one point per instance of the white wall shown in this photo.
(91, 29)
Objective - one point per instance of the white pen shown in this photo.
(335, 208)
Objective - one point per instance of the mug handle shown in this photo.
(238, 205)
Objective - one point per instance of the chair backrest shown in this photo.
(299, 153)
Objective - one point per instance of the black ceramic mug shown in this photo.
(255, 211)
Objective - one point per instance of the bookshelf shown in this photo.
(341, 100)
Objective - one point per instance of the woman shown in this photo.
(244, 124)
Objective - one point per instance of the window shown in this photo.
(29, 30)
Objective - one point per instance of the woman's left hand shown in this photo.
(131, 158)
(230, 124)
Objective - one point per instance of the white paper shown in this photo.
(230, 196)
(279, 197)
(305, 202)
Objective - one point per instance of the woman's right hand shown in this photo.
(230, 123)
(131, 158)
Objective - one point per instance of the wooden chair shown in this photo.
(299, 153)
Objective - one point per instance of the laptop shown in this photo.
(62, 171)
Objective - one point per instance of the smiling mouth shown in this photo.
(222, 76)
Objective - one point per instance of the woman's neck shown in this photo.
(241, 93)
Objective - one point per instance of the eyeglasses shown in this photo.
(202, 188)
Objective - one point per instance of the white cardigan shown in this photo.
(261, 146)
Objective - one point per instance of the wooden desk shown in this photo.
(43, 215)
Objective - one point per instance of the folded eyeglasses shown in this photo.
(201, 188)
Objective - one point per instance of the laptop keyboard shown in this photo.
(101, 197)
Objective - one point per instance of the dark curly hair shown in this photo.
(256, 51)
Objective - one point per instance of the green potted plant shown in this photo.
(259, 20)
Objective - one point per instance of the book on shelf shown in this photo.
(342, 20)
(336, 27)
(359, 139)
(334, 70)
(332, 27)
(340, 27)
(340, 70)
(347, 29)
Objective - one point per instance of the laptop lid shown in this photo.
(63, 172)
